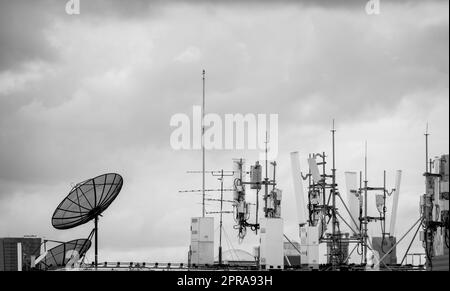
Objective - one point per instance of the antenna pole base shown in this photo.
(96, 241)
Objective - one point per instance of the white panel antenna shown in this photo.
(298, 188)
(314, 168)
(398, 180)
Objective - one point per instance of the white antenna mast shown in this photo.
(365, 203)
(203, 146)
(427, 134)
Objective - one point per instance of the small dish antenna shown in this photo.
(57, 256)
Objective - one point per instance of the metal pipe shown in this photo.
(365, 205)
(324, 177)
(96, 241)
(309, 196)
(361, 214)
(221, 217)
(384, 204)
(299, 252)
(412, 241)
(348, 211)
(274, 164)
(346, 223)
(351, 253)
(257, 211)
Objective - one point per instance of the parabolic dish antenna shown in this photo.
(57, 257)
(86, 201)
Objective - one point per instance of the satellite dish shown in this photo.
(86, 202)
(57, 256)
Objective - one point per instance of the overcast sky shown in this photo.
(86, 94)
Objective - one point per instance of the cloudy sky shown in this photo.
(86, 94)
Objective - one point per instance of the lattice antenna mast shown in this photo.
(335, 240)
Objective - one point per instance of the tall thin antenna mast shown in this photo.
(96, 242)
(221, 217)
(266, 179)
(203, 146)
(333, 131)
(266, 152)
(366, 222)
(365, 160)
(426, 148)
(333, 190)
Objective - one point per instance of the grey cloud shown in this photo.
(344, 71)
(22, 26)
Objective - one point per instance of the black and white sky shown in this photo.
(81, 95)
